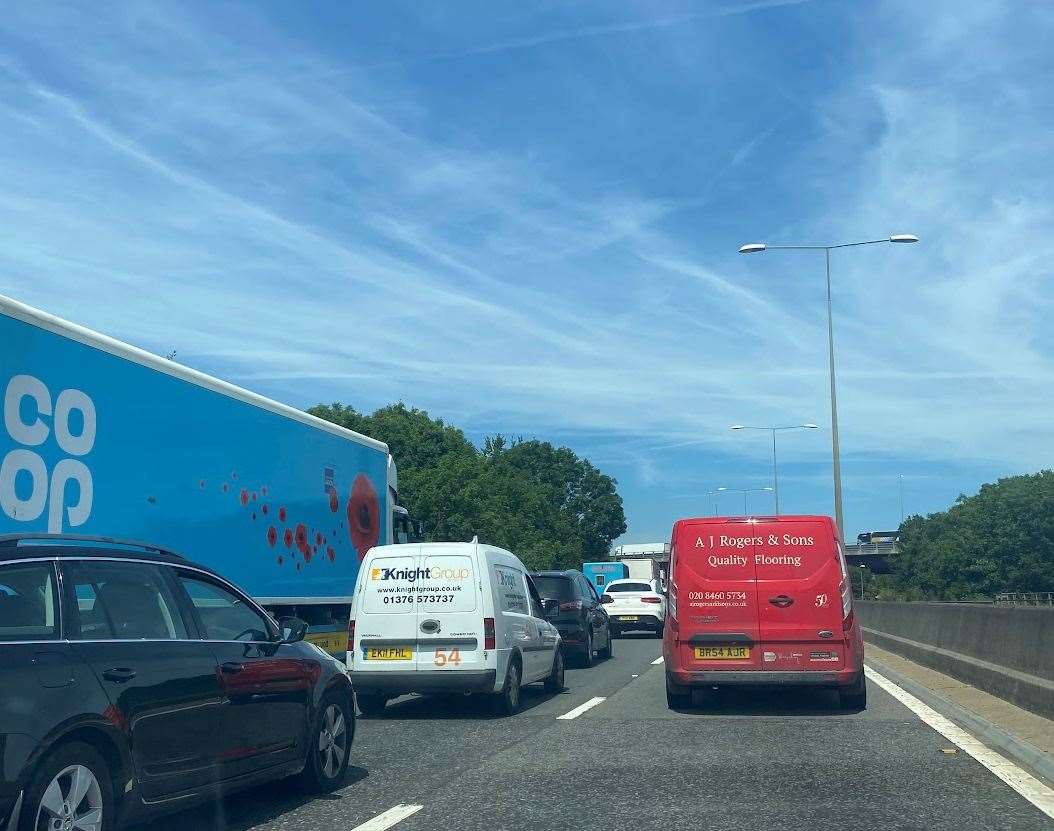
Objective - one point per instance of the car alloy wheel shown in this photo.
(71, 802)
(332, 742)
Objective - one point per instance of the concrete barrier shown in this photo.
(1005, 650)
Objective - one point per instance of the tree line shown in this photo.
(550, 507)
(1000, 539)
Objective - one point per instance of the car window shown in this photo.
(27, 602)
(555, 588)
(589, 591)
(224, 615)
(628, 587)
(537, 609)
(122, 601)
(511, 591)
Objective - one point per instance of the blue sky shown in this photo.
(524, 218)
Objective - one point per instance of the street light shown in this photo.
(901, 477)
(757, 247)
(714, 502)
(744, 491)
(775, 473)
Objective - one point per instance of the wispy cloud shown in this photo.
(550, 250)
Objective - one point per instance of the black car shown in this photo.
(136, 683)
(573, 606)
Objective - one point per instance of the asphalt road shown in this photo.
(780, 760)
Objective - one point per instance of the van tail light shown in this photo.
(847, 591)
(351, 633)
(606, 598)
(571, 606)
(489, 641)
(651, 600)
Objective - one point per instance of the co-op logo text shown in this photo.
(411, 575)
(53, 419)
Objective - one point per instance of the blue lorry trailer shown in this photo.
(102, 438)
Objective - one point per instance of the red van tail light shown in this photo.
(651, 600)
(571, 606)
(489, 641)
(847, 624)
(351, 633)
(606, 598)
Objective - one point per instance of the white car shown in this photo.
(448, 618)
(635, 605)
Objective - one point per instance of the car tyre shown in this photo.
(587, 654)
(507, 702)
(371, 705)
(555, 682)
(854, 697)
(605, 653)
(329, 748)
(74, 771)
(677, 697)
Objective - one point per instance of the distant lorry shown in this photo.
(645, 561)
(600, 574)
(102, 438)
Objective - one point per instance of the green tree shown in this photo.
(544, 503)
(1000, 539)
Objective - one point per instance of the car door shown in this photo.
(43, 685)
(598, 616)
(266, 684)
(386, 621)
(126, 623)
(799, 577)
(545, 637)
(447, 603)
(715, 591)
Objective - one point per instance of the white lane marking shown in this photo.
(388, 818)
(581, 708)
(658, 660)
(634, 676)
(1028, 786)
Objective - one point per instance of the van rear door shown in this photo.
(717, 601)
(449, 613)
(386, 622)
(799, 583)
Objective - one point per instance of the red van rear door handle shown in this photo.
(781, 600)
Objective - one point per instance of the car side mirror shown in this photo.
(606, 598)
(291, 629)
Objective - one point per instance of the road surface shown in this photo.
(759, 760)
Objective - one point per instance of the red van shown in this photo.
(763, 601)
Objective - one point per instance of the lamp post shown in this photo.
(901, 478)
(713, 501)
(757, 247)
(775, 470)
(745, 491)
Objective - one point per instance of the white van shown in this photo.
(448, 618)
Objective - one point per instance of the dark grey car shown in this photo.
(137, 683)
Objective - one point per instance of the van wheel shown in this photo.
(555, 682)
(329, 748)
(371, 705)
(854, 697)
(677, 697)
(605, 653)
(507, 702)
(70, 789)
